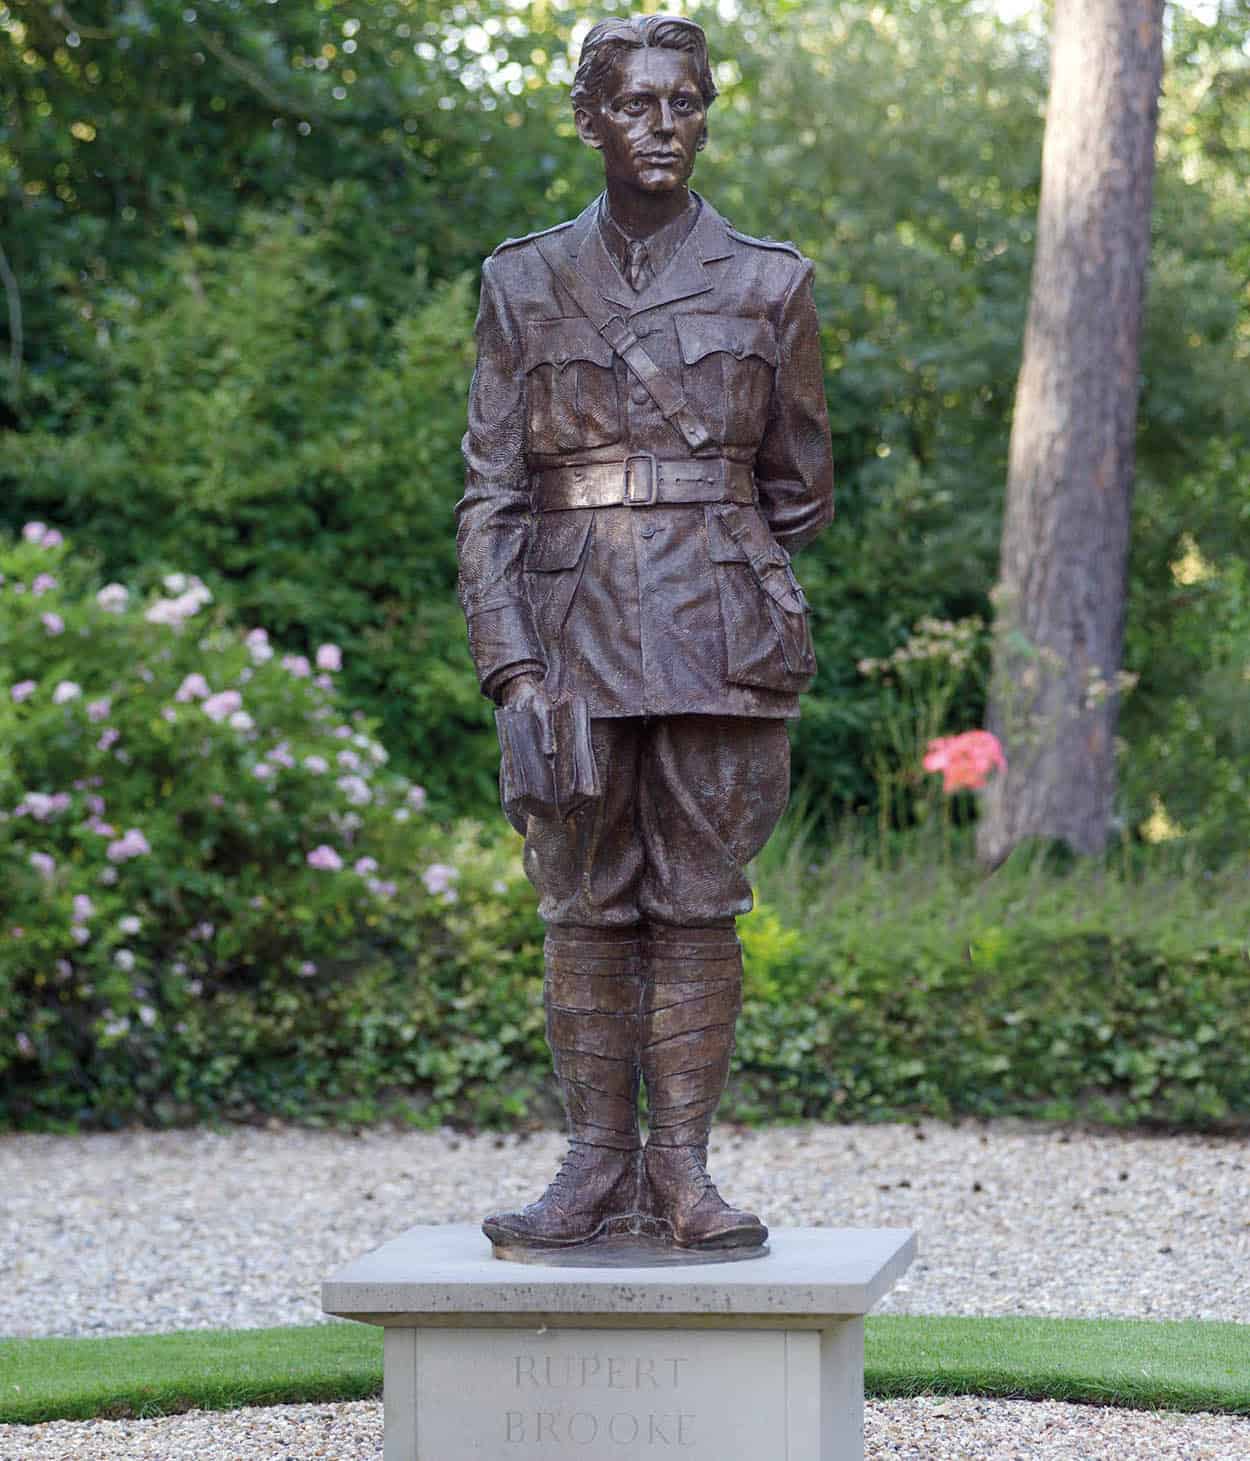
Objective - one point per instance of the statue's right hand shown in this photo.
(526, 692)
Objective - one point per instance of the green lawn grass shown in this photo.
(1177, 1366)
(1126, 1362)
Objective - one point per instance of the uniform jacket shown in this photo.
(646, 610)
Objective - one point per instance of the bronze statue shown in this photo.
(648, 443)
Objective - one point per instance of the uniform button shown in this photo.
(640, 395)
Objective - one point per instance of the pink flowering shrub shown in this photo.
(188, 821)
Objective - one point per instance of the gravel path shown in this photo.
(143, 1231)
(926, 1429)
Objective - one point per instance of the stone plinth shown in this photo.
(494, 1361)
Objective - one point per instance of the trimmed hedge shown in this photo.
(1029, 1021)
(445, 1025)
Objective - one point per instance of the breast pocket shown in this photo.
(768, 640)
(573, 401)
(728, 364)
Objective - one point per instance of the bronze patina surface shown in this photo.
(648, 443)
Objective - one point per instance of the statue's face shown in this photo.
(651, 121)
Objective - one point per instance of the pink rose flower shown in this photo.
(325, 858)
(329, 657)
(297, 665)
(34, 532)
(965, 760)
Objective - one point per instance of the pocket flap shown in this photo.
(721, 545)
(700, 335)
(558, 541)
(738, 534)
(561, 342)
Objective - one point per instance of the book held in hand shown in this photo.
(547, 760)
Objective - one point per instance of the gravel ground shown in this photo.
(150, 1231)
(141, 1232)
(904, 1430)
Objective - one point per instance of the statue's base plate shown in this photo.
(625, 1249)
(633, 1240)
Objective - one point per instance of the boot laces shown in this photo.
(700, 1177)
(569, 1178)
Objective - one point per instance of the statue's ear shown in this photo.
(584, 120)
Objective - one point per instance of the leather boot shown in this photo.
(691, 998)
(591, 993)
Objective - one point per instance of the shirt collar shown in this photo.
(661, 245)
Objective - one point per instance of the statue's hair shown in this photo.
(607, 41)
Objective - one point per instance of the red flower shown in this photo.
(966, 760)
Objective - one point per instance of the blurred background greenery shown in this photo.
(238, 250)
(241, 239)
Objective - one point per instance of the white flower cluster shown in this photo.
(189, 597)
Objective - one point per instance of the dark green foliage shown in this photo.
(244, 235)
(267, 418)
(245, 304)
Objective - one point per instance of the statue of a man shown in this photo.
(648, 443)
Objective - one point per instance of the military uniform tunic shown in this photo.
(682, 621)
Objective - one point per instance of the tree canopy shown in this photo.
(240, 240)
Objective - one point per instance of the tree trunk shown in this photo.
(1063, 568)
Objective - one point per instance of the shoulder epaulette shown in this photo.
(514, 243)
(783, 246)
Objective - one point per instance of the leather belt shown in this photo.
(642, 480)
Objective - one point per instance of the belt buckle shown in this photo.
(631, 499)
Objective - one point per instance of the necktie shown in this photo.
(637, 266)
